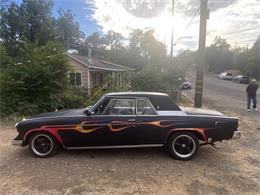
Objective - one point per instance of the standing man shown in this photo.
(251, 94)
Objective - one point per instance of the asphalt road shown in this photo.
(224, 94)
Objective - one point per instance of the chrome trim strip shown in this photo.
(17, 142)
(172, 113)
(120, 146)
(16, 124)
(188, 115)
(54, 117)
(212, 116)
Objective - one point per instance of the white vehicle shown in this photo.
(225, 76)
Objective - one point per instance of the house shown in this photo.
(91, 74)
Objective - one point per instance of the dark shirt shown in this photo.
(251, 89)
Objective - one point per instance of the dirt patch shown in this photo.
(232, 169)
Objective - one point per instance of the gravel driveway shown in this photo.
(232, 169)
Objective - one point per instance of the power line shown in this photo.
(172, 28)
(189, 24)
(242, 41)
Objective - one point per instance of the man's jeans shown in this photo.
(249, 99)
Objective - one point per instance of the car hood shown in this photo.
(200, 111)
(70, 112)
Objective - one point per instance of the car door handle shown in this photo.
(131, 120)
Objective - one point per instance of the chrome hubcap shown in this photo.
(42, 144)
(184, 146)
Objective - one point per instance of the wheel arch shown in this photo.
(47, 131)
(199, 133)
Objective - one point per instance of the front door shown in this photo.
(112, 123)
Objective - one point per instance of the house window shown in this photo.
(101, 78)
(75, 79)
(94, 79)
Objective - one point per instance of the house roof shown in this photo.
(96, 64)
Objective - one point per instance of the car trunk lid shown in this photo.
(200, 111)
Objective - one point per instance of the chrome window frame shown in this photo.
(113, 98)
(149, 102)
(122, 97)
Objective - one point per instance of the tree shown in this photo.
(152, 78)
(114, 40)
(35, 82)
(185, 58)
(221, 44)
(36, 21)
(218, 56)
(68, 31)
(146, 45)
(240, 58)
(32, 21)
(10, 27)
(253, 66)
(96, 40)
(4, 57)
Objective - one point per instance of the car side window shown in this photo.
(144, 107)
(120, 107)
(99, 110)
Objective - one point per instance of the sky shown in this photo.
(238, 21)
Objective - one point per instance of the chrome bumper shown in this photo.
(17, 142)
(236, 135)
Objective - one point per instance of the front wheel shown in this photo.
(183, 145)
(43, 145)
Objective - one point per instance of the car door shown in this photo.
(120, 113)
(150, 131)
(112, 123)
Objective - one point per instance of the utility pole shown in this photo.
(201, 53)
(172, 29)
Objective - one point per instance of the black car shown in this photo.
(127, 120)
(241, 79)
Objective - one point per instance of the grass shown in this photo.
(184, 101)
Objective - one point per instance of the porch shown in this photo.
(115, 81)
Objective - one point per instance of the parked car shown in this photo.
(186, 85)
(225, 76)
(241, 79)
(127, 120)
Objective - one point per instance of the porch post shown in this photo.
(88, 82)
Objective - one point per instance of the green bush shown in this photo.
(156, 79)
(35, 81)
(73, 98)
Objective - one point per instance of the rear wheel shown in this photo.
(183, 145)
(43, 145)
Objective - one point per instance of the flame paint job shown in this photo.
(73, 128)
(114, 126)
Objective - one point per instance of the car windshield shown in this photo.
(96, 103)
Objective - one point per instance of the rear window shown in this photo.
(163, 103)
